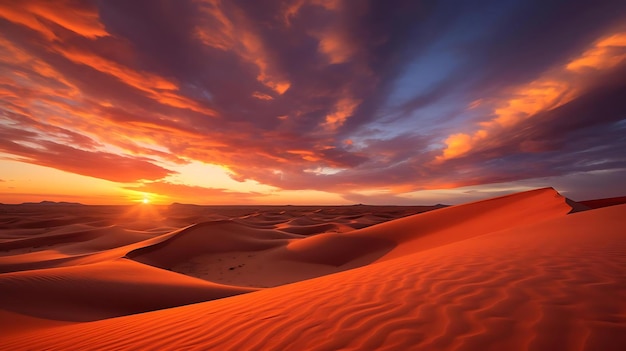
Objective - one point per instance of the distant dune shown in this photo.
(519, 272)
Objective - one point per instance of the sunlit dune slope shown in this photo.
(554, 284)
(436, 228)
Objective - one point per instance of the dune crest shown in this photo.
(456, 223)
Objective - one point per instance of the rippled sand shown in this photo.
(520, 272)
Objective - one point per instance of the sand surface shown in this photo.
(527, 271)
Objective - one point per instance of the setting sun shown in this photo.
(146, 201)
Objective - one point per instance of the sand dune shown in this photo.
(102, 290)
(233, 253)
(518, 272)
(81, 239)
(70, 247)
(462, 222)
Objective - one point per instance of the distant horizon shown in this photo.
(46, 202)
(139, 203)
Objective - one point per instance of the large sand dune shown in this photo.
(519, 272)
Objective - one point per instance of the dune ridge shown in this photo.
(94, 245)
(263, 257)
(448, 225)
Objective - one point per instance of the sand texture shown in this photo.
(527, 271)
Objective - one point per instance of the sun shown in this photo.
(146, 201)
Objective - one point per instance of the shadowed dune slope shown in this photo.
(103, 290)
(599, 203)
(232, 253)
(554, 284)
(316, 228)
(209, 237)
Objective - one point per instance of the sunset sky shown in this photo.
(310, 101)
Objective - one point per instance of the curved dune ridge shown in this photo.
(234, 253)
(70, 246)
(511, 273)
(103, 290)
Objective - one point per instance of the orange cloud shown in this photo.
(144, 81)
(333, 40)
(335, 46)
(344, 108)
(606, 53)
(292, 8)
(460, 143)
(60, 112)
(221, 32)
(37, 15)
(306, 155)
(157, 88)
(540, 95)
(262, 96)
(21, 62)
(83, 20)
(279, 87)
(96, 164)
(179, 101)
(553, 89)
(37, 97)
(254, 52)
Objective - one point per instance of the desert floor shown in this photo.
(527, 271)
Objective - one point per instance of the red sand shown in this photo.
(511, 273)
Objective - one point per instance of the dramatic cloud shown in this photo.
(547, 93)
(94, 164)
(348, 97)
(44, 16)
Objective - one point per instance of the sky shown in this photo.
(310, 101)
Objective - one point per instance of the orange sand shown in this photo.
(518, 272)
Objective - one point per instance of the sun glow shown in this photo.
(145, 200)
